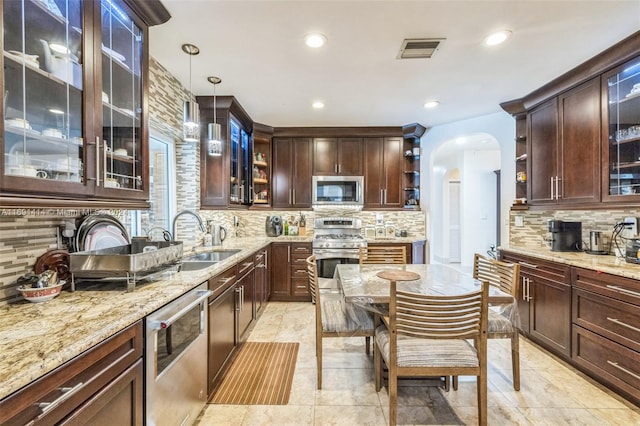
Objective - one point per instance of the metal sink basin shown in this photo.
(196, 266)
(209, 256)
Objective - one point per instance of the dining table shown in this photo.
(361, 286)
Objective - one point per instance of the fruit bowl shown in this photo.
(41, 294)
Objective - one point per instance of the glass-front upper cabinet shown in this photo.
(121, 57)
(43, 95)
(621, 89)
(240, 162)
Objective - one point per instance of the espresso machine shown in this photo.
(565, 236)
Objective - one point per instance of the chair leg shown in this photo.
(319, 360)
(393, 397)
(447, 384)
(367, 343)
(515, 360)
(377, 367)
(454, 381)
(481, 383)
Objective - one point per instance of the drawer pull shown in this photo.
(617, 321)
(67, 393)
(623, 290)
(619, 367)
(528, 265)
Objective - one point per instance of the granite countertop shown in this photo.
(38, 337)
(603, 263)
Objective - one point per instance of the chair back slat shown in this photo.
(437, 317)
(500, 274)
(383, 254)
(312, 272)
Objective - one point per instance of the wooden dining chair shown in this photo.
(429, 335)
(383, 254)
(335, 317)
(505, 276)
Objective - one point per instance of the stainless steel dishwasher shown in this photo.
(176, 359)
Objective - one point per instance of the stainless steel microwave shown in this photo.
(338, 190)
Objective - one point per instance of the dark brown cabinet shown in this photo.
(544, 302)
(75, 126)
(564, 148)
(245, 293)
(226, 180)
(222, 324)
(621, 133)
(383, 173)
(292, 162)
(102, 386)
(262, 289)
(606, 329)
(337, 156)
(289, 279)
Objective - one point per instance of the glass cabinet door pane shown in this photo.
(43, 89)
(234, 194)
(122, 43)
(624, 130)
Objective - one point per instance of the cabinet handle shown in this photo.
(289, 254)
(385, 196)
(382, 196)
(226, 280)
(294, 195)
(335, 168)
(104, 163)
(528, 265)
(266, 260)
(557, 191)
(67, 393)
(624, 324)
(97, 160)
(623, 290)
(239, 299)
(339, 168)
(552, 188)
(619, 367)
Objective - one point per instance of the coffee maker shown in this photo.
(565, 236)
(273, 226)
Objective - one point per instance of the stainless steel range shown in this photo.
(336, 240)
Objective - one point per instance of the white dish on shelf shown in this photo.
(18, 122)
(118, 56)
(34, 59)
(105, 97)
(120, 152)
(26, 170)
(55, 133)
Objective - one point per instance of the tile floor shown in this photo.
(552, 393)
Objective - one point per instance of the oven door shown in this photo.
(327, 259)
(176, 359)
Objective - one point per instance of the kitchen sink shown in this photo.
(196, 266)
(209, 256)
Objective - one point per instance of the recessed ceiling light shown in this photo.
(315, 40)
(496, 38)
(318, 105)
(431, 104)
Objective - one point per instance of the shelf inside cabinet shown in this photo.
(630, 165)
(412, 172)
(258, 180)
(411, 189)
(16, 61)
(260, 163)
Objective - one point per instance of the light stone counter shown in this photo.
(35, 338)
(608, 263)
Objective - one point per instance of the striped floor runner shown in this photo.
(261, 374)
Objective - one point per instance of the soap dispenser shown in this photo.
(208, 238)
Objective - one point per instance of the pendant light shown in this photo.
(214, 138)
(191, 122)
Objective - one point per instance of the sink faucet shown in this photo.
(166, 235)
(183, 212)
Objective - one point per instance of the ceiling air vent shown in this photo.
(418, 47)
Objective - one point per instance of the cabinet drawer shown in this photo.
(607, 360)
(611, 318)
(221, 282)
(533, 267)
(300, 287)
(620, 288)
(301, 249)
(80, 378)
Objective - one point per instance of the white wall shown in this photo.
(498, 127)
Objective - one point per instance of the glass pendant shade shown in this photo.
(191, 125)
(214, 140)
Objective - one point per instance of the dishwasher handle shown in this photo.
(200, 295)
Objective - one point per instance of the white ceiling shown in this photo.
(257, 48)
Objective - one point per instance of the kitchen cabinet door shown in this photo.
(280, 280)
(222, 334)
(550, 315)
(292, 162)
(580, 135)
(337, 156)
(543, 152)
(383, 173)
